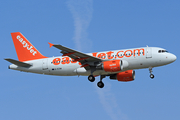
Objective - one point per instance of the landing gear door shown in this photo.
(45, 64)
(148, 52)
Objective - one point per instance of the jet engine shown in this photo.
(125, 76)
(113, 65)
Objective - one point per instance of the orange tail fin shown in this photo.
(24, 49)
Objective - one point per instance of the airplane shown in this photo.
(117, 64)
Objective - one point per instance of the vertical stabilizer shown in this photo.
(24, 49)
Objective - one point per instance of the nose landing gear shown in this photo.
(151, 75)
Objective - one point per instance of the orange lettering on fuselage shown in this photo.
(109, 55)
(65, 60)
(94, 54)
(56, 61)
(101, 55)
(119, 54)
(138, 51)
(126, 54)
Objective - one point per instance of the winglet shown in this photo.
(50, 44)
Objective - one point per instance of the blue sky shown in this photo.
(90, 26)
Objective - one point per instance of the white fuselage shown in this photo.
(136, 58)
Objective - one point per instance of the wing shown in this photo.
(83, 58)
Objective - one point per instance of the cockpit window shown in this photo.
(162, 51)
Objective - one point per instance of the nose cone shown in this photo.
(173, 58)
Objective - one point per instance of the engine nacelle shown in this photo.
(125, 76)
(113, 65)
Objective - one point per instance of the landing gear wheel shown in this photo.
(100, 84)
(91, 78)
(151, 76)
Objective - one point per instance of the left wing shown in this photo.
(83, 58)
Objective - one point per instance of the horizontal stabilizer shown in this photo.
(18, 63)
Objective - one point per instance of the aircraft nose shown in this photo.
(173, 58)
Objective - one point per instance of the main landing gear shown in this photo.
(91, 78)
(151, 75)
(100, 84)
